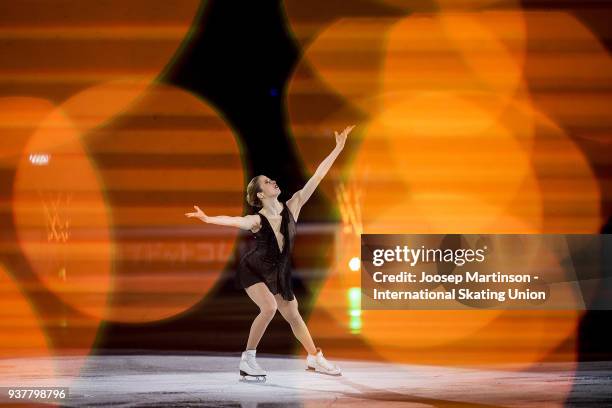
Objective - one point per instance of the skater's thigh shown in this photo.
(287, 308)
(261, 295)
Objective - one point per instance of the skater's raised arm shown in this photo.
(300, 197)
(246, 223)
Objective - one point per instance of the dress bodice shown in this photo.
(267, 237)
(278, 234)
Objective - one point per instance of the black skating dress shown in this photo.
(266, 262)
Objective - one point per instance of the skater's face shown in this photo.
(269, 188)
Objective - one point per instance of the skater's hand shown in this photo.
(341, 138)
(198, 214)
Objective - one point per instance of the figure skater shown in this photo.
(264, 272)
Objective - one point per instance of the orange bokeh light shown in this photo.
(448, 140)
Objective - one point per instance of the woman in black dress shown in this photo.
(265, 272)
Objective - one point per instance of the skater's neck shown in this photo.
(272, 206)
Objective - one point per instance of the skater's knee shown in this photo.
(268, 310)
(292, 315)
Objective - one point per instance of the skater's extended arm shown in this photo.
(300, 197)
(247, 222)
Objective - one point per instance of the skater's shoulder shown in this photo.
(251, 222)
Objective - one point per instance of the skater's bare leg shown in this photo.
(289, 310)
(261, 295)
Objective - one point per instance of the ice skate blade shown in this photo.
(314, 370)
(244, 377)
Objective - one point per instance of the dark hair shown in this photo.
(252, 189)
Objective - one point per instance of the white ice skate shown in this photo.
(250, 368)
(319, 364)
